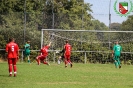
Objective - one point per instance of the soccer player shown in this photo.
(27, 50)
(59, 60)
(12, 50)
(116, 54)
(67, 54)
(61, 57)
(43, 55)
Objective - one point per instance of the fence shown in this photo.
(80, 57)
(53, 54)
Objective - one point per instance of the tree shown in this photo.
(128, 24)
(70, 14)
(115, 26)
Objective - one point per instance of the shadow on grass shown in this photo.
(4, 75)
(131, 86)
(3, 62)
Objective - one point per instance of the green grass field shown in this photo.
(56, 76)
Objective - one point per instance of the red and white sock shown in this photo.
(14, 68)
(10, 69)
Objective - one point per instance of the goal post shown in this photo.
(88, 41)
(41, 38)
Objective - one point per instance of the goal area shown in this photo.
(89, 45)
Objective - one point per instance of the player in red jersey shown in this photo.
(13, 52)
(67, 54)
(43, 55)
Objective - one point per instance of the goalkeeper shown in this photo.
(27, 50)
(116, 54)
(61, 57)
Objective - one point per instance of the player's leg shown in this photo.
(28, 58)
(116, 61)
(28, 54)
(62, 58)
(10, 66)
(66, 62)
(44, 60)
(119, 63)
(69, 61)
(59, 60)
(38, 59)
(14, 66)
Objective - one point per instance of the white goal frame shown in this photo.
(79, 31)
(91, 31)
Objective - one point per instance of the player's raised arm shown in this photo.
(49, 44)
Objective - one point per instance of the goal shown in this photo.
(90, 42)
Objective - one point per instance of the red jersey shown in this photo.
(67, 48)
(12, 49)
(44, 50)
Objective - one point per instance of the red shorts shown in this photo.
(12, 61)
(67, 59)
(41, 57)
(67, 56)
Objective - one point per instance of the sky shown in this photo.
(101, 10)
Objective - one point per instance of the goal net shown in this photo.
(92, 44)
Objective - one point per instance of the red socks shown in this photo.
(10, 68)
(15, 68)
(45, 63)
